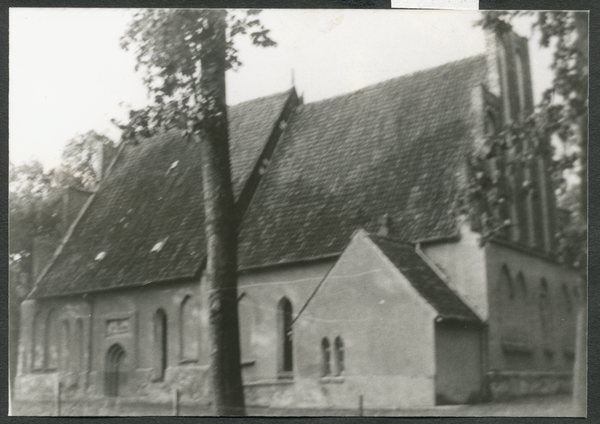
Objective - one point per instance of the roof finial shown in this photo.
(293, 79)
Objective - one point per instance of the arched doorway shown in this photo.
(114, 376)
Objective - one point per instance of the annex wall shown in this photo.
(386, 332)
(463, 263)
(82, 330)
(531, 329)
(261, 293)
(459, 363)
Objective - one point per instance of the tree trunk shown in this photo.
(580, 368)
(221, 235)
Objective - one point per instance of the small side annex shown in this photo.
(382, 325)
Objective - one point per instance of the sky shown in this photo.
(68, 74)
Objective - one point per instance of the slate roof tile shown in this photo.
(396, 148)
(429, 285)
(154, 193)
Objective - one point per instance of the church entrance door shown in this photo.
(114, 376)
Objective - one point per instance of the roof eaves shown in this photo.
(290, 262)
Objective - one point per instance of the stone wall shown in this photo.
(506, 385)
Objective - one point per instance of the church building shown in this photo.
(364, 272)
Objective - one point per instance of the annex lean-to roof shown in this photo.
(420, 275)
(152, 200)
(397, 148)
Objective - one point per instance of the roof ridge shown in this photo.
(268, 96)
(399, 78)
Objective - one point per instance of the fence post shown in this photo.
(58, 385)
(175, 401)
(360, 406)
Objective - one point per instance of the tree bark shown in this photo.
(580, 367)
(221, 234)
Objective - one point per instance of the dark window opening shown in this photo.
(286, 338)
(189, 326)
(115, 376)
(339, 355)
(39, 333)
(52, 342)
(160, 344)
(65, 352)
(326, 357)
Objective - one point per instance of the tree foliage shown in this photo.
(561, 116)
(170, 45)
(183, 56)
(35, 194)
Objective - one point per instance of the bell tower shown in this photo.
(532, 197)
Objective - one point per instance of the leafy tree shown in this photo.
(563, 115)
(83, 160)
(35, 210)
(183, 55)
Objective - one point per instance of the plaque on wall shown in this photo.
(115, 327)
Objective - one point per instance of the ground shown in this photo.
(545, 406)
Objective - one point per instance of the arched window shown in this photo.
(52, 341)
(65, 351)
(325, 357)
(545, 312)
(285, 335)
(38, 342)
(115, 376)
(246, 324)
(489, 125)
(339, 355)
(79, 346)
(189, 324)
(520, 71)
(159, 324)
(506, 284)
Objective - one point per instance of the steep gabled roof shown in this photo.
(152, 200)
(429, 285)
(395, 148)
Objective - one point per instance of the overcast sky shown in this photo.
(68, 74)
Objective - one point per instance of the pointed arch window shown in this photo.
(325, 357)
(490, 126)
(65, 351)
(39, 336)
(285, 315)
(520, 71)
(52, 341)
(246, 323)
(79, 346)
(189, 325)
(545, 313)
(159, 324)
(339, 356)
(506, 284)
